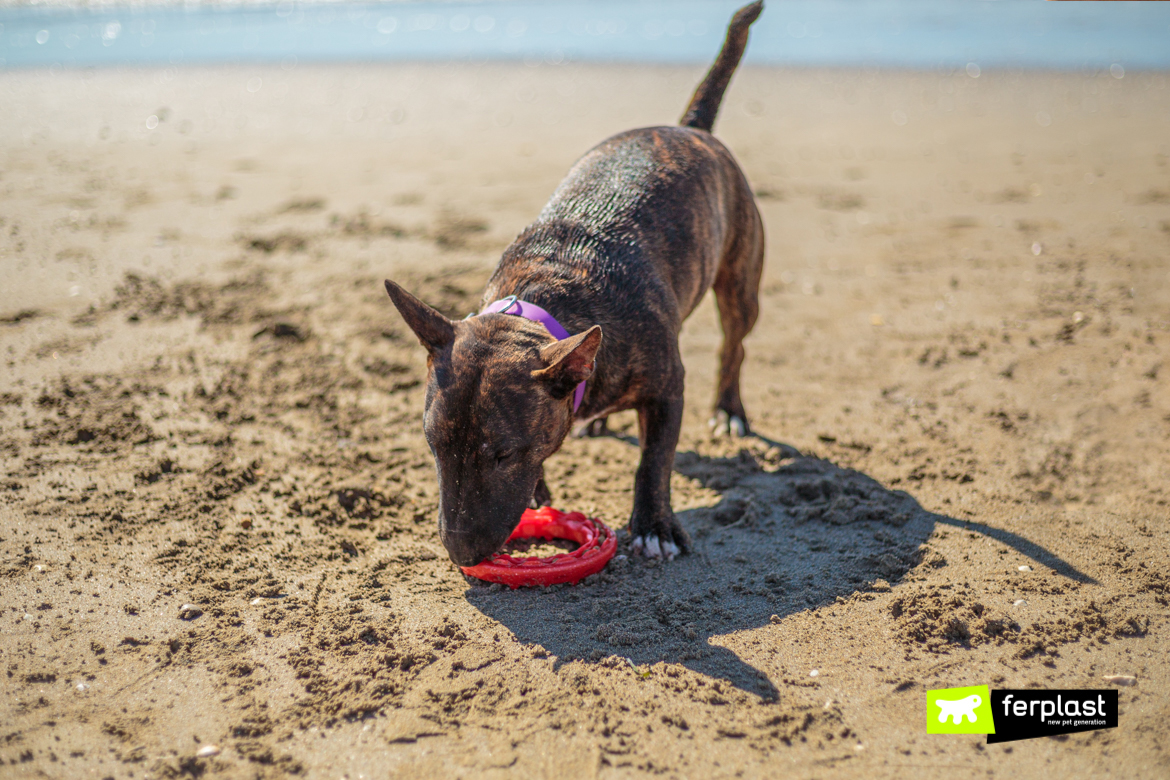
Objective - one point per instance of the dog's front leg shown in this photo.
(542, 496)
(593, 429)
(656, 531)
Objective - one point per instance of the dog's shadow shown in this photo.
(780, 540)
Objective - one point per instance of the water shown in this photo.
(883, 33)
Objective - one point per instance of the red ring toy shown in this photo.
(598, 545)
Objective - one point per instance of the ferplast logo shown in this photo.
(1010, 715)
(959, 711)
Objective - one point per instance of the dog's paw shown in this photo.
(593, 429)
(651, 546)
(541, 496)
(724, 424)
(658, 537)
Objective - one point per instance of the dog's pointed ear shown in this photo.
(569, 362)
(433, 329)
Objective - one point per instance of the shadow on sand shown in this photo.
(784, 537)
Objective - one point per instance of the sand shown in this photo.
(960, 378)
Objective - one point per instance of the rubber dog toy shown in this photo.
(597, 545)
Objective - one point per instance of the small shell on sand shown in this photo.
(207, 751)
(189, 612)
(1120, 679)
(1025, 568)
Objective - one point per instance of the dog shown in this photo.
(641, 227)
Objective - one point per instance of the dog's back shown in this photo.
(651, 211)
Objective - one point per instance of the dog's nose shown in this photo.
(464, 556)
(464, 549)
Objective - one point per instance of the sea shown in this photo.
(908, 34)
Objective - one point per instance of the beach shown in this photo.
(218, 533)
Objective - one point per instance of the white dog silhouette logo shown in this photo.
(958, 708)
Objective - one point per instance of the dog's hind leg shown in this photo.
(737, 292)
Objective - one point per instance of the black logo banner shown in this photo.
(1037, 712)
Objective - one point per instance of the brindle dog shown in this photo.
(643, 225)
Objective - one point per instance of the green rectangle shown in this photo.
(959, 711)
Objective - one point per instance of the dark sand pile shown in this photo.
(217, 510)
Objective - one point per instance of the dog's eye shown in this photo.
(504, 456)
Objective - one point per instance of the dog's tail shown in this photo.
(705, 102)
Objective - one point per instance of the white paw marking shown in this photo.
(724, 424)
(651, 546)
(958, 709)
(595, 427)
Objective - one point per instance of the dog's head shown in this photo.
(499, 400)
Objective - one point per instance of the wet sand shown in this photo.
(959, 378)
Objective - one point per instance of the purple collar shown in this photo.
(530, 311)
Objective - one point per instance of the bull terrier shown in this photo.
(641, 227)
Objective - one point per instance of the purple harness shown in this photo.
(530, 311)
